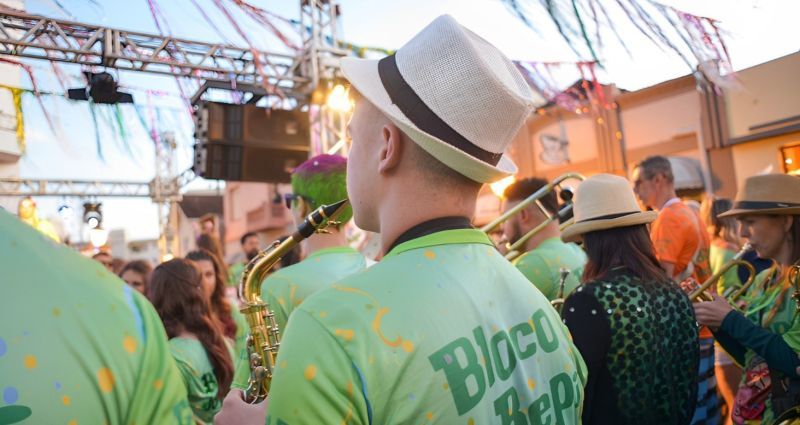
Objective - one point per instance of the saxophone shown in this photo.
(264, 338)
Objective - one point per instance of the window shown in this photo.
(790, 156)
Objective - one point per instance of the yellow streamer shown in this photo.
(17, 95)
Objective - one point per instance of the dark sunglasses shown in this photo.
(288, 198)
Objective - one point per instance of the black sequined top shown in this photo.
(640, 344)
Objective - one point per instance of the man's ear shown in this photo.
(392, 145)
(524, 215)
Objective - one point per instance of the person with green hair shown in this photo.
(318, 181)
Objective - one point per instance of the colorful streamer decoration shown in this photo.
(17, 96)
(695, 39)
(585, 94)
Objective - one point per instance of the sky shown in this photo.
(755, 31)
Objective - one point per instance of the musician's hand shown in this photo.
(712, 313)
(235, 411)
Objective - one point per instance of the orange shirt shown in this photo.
(676, 235)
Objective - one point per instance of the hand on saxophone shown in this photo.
(236, 411)
(712, 313)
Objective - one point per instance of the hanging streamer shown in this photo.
(120, 126)
(210, 21)
(35, 90)
(261, 16)
(587, 93)
(666, 27)
(16, 94)
(98, 145)
(257, 57)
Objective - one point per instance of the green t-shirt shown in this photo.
(235, 274)
(242, 330)
(285, 289)
(542, 266)
(718, 255)
(409, 341)
(198, 376)
(78, 345)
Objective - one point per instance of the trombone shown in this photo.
(565, 211)
(558, 303)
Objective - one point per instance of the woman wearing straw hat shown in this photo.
(766, 338)
(633, 326)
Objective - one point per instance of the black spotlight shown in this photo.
(92, 214)
(101, 89)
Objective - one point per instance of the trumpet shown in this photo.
(264, 338)
(699, 294)
(734, 294)
(558, 303)
(513, 248)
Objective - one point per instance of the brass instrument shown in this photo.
(566, 195)
(734, 294)
(794, 280)
(558, 303)
(699, 294)
(264, 338)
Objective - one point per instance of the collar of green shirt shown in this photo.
(333, 250)
(555, 240)
(445, 237)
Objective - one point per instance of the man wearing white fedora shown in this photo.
(443, 329)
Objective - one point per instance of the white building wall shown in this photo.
(10, 153)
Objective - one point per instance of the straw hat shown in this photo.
(453, 94)
(604, 201)
(767, 194)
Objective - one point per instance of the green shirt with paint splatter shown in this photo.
(198, 376)
(542, 266)
(285, 289)
(235, 274)
(442, 330)
(77, 345)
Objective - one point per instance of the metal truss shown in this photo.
(320, 64)
(220, 66)
(77, 188)
(170, 190)
(40, 37)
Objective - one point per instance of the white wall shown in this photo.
(9, 150)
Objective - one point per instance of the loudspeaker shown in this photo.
(248, 143)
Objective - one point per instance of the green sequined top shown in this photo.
(640, 344)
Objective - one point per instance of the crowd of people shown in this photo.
(443, 328)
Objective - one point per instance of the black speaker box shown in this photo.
(248, 143)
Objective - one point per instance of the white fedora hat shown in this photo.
(453, 94)
(604, 201)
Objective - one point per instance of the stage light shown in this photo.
(66, 212)
(92, 214)
(98, 236)
(500, 186)
(101, 88)
(338, 99)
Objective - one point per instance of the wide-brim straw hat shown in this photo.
(604, 201)
(767, 194)
(453, 93)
